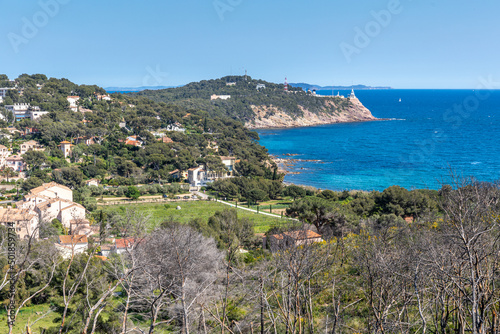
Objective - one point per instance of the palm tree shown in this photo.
(8, 172)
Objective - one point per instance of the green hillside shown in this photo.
(244, 94)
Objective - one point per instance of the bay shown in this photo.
(430, 134)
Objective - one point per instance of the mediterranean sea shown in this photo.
(430, 134)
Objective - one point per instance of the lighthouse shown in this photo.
(352, 96)
(286, 85)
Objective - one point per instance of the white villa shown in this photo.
(25, 110)
(219, 97)
(73, 102)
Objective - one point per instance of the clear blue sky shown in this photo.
(424, 43)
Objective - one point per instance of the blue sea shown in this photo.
(430, 134)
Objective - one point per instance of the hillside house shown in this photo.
(124, 245)
(100, 97)
(106, 250)
(220, 97)
(177, 174)
(69, 245)
(30, 145)
(229, 163)
(4, 153)
(73, 102)
(3, 91)
(292, 239)
(175, 127)
(197, 176)
(35, 114)
(15, 162)
(92, 182)
(65, 147)
(134, 141)
(24, 221)
(67, 212)
(86, 140)
(48, 191)
(25, 110)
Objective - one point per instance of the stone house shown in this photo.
(24, 221)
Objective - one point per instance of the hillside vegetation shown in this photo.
(249, 104)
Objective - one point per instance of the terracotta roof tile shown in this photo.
(13, 215)
(46, 186)
(124, 243)
(301, 235)
(73, 239)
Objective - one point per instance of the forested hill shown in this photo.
(259, 103)
(192, 136)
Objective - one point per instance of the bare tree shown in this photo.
(178, 266)
(471, 232)
(39, 259)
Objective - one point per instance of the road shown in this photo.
(205, 196)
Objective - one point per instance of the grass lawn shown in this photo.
(191, 210)
(29, 315)
(275, 205)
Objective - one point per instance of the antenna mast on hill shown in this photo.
(245, 75)
(286, 85)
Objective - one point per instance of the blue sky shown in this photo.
(413, 44)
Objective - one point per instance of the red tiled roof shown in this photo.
(73, 239)
(166, 140)
(124, 243)
(46, 186)
(131, 142)
(301, 235)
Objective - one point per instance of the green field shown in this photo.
(28, 315)
(191, 210)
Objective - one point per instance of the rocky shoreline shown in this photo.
(269, 117)
(285, 166)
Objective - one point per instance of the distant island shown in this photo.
(306, 87)
(261, 104)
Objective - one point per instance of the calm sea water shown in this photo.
(431, 133)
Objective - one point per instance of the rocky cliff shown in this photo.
(273, 117)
